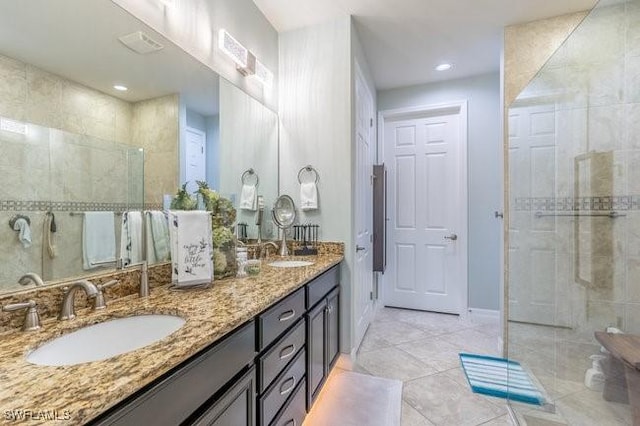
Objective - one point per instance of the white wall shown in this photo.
(484, 159)
(315, 116)
(193, 25)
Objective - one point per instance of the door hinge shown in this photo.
(371, 238)
(371, 122)
(201, 150)
(370, 295)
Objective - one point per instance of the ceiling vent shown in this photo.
(140, 43)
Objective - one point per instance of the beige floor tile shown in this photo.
(444, 401)
(393, 363)
(434, 352)
(395, 332)
(500, 421)
(411, 417)
(587, 408)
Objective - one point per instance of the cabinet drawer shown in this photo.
(319, 287)
(280, 317)
(295, 411)
(274, 361)
(281, 390)
(174, 398)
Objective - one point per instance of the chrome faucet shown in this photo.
(67, 311)
(264, 249)
(29, 278)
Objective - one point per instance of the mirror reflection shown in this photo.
(92, 122)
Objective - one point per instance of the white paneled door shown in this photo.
(533, 286)
(195, 158)
(427, 234)
(363, 277)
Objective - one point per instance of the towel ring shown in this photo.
(247, 174)
(308, 169)
(15, 218)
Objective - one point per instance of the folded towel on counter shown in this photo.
(24, 231)
(131, 244)
(191, 251)
(308, 196)
(157, 235)
(98, 239)
(249, 197)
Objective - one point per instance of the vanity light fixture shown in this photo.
(169, 3)
(245, 60)
(444, 67)
(263, 75)
(120, 87)
(13, 126)
(233, 49)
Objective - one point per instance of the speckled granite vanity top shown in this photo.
(81, 392)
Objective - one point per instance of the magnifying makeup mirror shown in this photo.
(284, 214)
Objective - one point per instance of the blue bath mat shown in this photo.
(501, 378)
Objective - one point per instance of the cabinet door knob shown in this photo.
(360, 248)
(451, 237)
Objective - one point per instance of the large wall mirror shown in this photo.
(71, 142)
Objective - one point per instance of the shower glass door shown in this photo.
(574, 223)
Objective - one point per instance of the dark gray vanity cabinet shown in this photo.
(176, 397)
(322, 330)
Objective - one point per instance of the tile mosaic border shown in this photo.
(81, 206)
(620, 202)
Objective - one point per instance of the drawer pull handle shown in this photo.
(290, 388)
(284, 354)
(291, 422)
(287, 315)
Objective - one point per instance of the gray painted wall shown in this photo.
(485, 176)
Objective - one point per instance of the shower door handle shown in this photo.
(451, 237)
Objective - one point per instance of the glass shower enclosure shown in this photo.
(574, 225)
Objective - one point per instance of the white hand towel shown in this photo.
(191, 243)
(157, 236)
(248, 197)
(98, 239)
(308, 196)
(131, 238)
(24, 232)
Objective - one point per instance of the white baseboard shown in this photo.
(483, 315)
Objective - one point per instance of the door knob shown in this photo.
(451, 237)
(359, 248)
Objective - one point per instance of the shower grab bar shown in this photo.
(611, 214)
(82, 213)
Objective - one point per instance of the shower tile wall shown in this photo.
(75, 150)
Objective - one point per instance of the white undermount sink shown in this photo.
(105, 340)
(290, 263)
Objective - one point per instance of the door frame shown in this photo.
(453, 107)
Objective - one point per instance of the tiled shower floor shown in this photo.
(421, 349)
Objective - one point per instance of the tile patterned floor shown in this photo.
(421, 349)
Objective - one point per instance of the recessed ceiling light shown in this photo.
(443, 67)
(120, 88)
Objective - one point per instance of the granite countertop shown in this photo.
(79, 393)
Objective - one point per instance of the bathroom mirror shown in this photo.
(74, 140)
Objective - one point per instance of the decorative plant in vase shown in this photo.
(223, 217)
